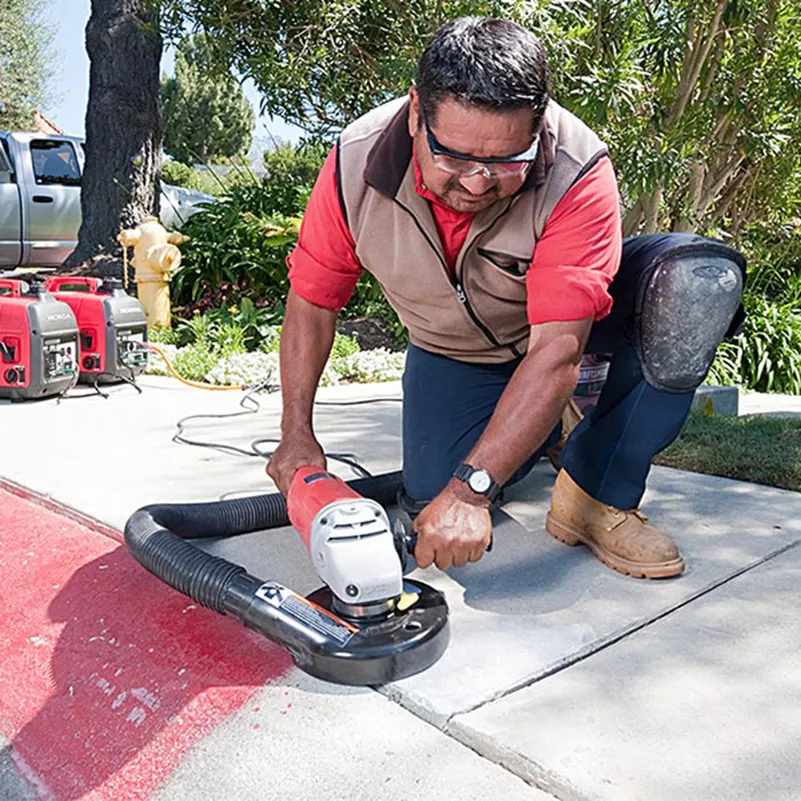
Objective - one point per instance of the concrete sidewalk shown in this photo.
(561, 674)
(771, 405)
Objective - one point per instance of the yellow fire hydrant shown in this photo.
(156, 258)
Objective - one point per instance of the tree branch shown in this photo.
(730, 194)
(698, 51)
(652, 206)
(712, 72)
(714, 186)
(633, 218)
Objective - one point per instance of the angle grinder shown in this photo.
(368, 625)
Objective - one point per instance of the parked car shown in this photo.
(40, 199)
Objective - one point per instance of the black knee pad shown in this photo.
(688, 302)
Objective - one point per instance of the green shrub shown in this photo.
(766, 357)
(774, 261)
(163, 336)
(177, 174)
(258, 325)
(240, 346)
(194, 361)
(291, 173)
(237, 246)
(368, 301)
(201, 343)
(211, 183)
(203, 362)
(344, 346)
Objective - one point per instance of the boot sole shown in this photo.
(570, 535)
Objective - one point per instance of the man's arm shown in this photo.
(306, 339)
(534, 398)
(323, 271)
(455, 527)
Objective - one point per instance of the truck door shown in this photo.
(53, 202)
(10, 212)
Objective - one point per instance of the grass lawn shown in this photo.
(763, 450)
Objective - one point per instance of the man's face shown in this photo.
(476, 132)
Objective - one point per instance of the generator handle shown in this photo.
(71, 283)
(14, 286)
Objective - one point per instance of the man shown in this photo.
(490, 217)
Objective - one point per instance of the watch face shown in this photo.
(480, 481)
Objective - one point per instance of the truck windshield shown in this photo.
(55, 163)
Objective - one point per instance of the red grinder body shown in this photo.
(312, 489)
(349, 540)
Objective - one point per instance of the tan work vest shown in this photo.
(480, 314)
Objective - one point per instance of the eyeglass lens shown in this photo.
(469, 168)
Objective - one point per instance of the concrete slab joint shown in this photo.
(673, 712)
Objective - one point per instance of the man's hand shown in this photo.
(452, 530)
(296, 450)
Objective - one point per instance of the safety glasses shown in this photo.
(465, 165)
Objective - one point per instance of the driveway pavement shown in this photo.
(563, 679)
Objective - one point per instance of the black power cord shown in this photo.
(251, 406)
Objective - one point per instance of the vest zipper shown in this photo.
(462, 292)
(461, 295)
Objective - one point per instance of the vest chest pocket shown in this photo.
(511, 265)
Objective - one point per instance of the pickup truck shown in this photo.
(40, 199)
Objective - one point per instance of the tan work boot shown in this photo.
(622, 540)
(571, 417)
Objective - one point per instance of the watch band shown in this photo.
(464, 472)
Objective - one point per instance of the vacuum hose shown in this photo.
(156, 536)
(319, 641)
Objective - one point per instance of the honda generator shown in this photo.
(111, 324)
(38, 342)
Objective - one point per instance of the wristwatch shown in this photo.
(479, 480)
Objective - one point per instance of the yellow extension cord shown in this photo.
(173, 372)
(170, 369)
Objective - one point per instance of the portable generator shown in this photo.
(112, 327)
(38, 342)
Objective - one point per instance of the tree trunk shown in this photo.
(123, 125)
(651, 210)
(633, 218)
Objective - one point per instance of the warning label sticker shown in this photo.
(310, 614)
(319, 619)
(273, 592)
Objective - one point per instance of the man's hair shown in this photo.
(493, 64)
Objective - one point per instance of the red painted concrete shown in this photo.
(107, 676)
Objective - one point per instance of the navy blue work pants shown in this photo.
(447, 405)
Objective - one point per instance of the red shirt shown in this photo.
(574, 261)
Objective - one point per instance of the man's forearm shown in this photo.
(306, 339)
(529, 407)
